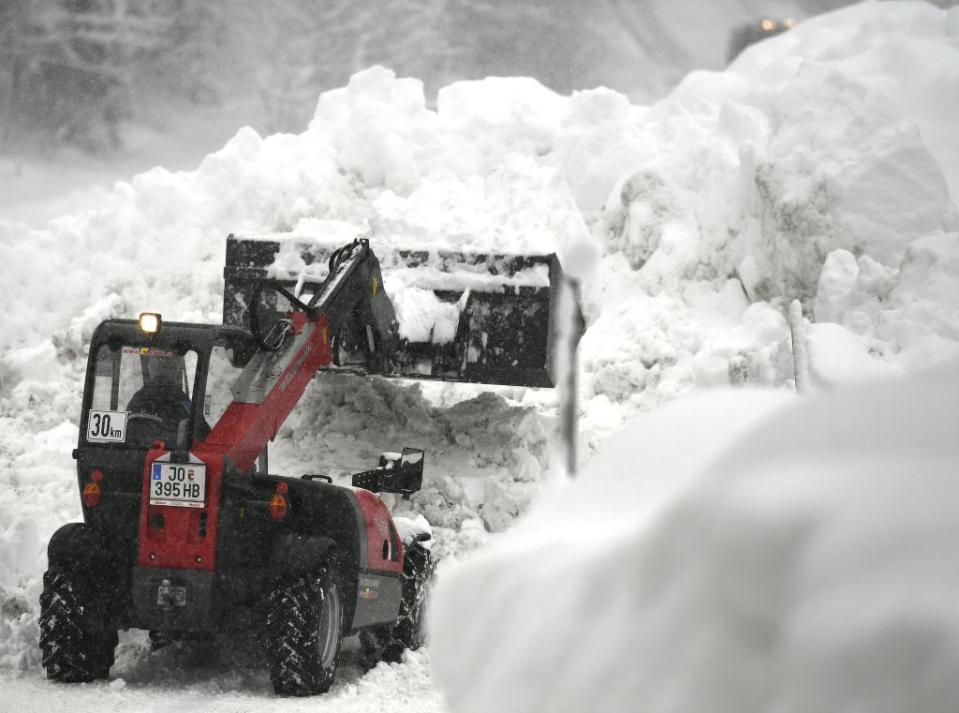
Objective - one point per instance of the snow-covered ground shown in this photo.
(819, 167)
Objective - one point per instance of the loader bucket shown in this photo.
(483, 318)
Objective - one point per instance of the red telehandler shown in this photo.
(184, 529)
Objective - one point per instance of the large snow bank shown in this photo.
(902, 54)
(812, 169)
(700, 217)
(729, 552)
(813, 149)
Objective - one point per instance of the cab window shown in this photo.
(141, 395)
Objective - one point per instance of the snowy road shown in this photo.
(186, 678)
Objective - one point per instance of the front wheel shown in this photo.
(76, 641)
(304, 629)
(388, 642)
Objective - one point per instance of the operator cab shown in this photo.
(148, 381)
(147, 398)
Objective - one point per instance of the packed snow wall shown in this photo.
(692, 224)
(745, 550)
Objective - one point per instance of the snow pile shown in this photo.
(813, 148)
(811, 565)
(911, 309)
(707, 562)
(804, 147)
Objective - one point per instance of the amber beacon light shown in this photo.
(150, 322)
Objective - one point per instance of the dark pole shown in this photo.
(569, 431)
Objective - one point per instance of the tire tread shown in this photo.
(76, 643)
(292, 638)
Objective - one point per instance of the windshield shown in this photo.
(142, 394)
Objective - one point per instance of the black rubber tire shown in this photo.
(304, 629)
(76, 641)
(379, 644)
(418, 570)
(387, 643)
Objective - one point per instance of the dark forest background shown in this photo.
(73, 72)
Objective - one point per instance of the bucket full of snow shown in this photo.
(461, 316)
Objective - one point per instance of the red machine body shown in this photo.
(183, 531)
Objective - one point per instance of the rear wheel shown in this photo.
(304, 629)
(76, 642)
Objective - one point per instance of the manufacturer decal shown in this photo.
(148, 351)
(297, 365)
(369, 588)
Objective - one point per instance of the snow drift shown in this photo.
(729, 552)
(804, 171)
(738, 552)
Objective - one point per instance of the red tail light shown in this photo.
(279, 507)
(91, 495)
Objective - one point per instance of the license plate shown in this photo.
(178, 484)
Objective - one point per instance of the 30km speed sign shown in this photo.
(106, 426)
(178, 484)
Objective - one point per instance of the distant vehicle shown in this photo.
(742, 36)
